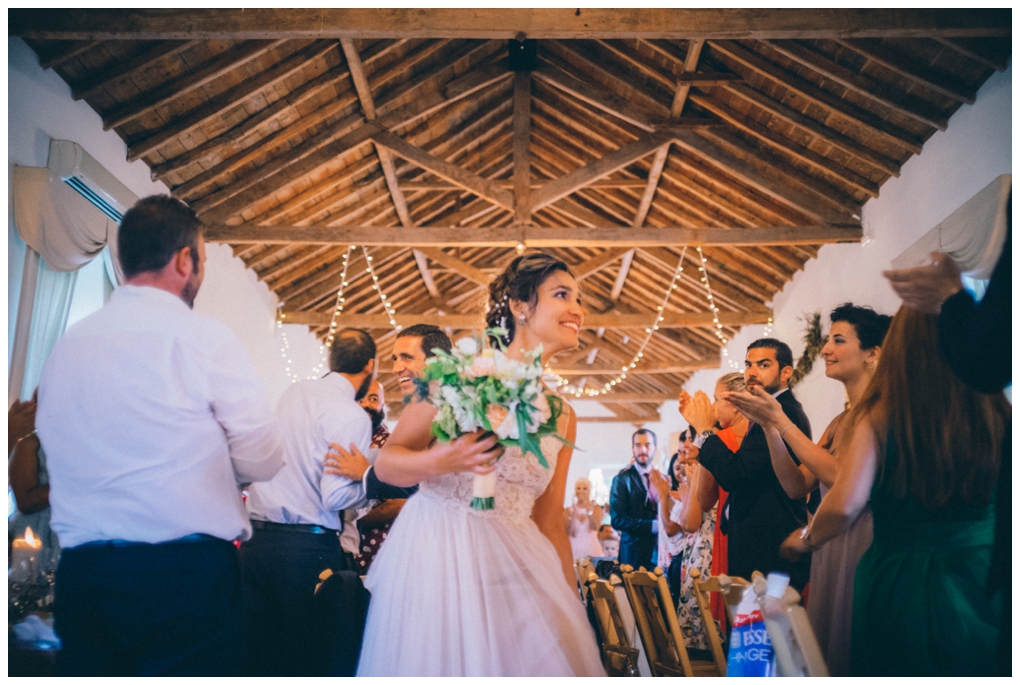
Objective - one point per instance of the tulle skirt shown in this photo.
(462, 593)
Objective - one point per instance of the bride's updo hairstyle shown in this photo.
(519, 281)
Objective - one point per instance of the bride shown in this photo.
(459, 592)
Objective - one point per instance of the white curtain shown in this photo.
(67, 230)
(64, 232)
(50, 301)
(973, 235)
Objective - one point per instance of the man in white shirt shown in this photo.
(152, 418)
(296, 515)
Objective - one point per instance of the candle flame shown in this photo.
(31, 539)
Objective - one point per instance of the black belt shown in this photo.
(293, 528)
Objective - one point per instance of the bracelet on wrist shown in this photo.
(805, 537)
(782, 433)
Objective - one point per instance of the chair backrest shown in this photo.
(584, 569)
(796, 647)
(731, 589)
(655, 615)
(618, 656)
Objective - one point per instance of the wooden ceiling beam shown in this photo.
(522, 147)
(302, 294)
(336, 78)
(503, 23)
(464, 269)
(683, 89)
(762, 180)
(473, 183)
(907, 105)
(634, 421)
(426, 274)
(621, 276)
(999, 62)
(668, 261)
(766, 181)
(326, 146)
(283, 279)
(386, 159)
(176, 88)
(816, 95)
(925, 76)
(65, 52)
(597, 96)
(122, 70)
(610, 163)
(643, 368)
(829, 135)
(637, 397)
(778, 142)
(791, 116)
(535, 237)
(322, 149)
(591, 321)
(226, 100)
(601, 183)
(598, 262)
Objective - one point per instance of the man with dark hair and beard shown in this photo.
(372, 403)
(295, 516)
(412, 347)
(758, 510)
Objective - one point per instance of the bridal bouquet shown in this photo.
(476, 387)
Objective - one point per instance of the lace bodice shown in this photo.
(520, 479)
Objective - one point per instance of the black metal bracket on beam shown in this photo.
(523, 55)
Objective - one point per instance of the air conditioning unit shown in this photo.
(81, 171)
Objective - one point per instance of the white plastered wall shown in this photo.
(40, 108)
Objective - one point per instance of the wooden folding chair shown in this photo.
(656, 618)
(618, 656)
(793, 639)
(584, 569)
(731, 589)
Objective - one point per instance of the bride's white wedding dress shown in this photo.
(458, 592)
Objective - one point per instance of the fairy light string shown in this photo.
(337, 311)
(390, 311)
(710, 296)
(564, 384)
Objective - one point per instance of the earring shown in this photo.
(523, 321)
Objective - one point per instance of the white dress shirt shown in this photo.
(313, 414)
(151, 417)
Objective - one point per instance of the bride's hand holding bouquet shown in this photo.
(479, 388)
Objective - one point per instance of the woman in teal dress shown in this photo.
(925, 451)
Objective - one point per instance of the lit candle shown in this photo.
(25, 558)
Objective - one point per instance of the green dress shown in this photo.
(920, 602)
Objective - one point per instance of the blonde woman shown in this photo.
(583, 519)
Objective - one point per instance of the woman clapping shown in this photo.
(851, 354)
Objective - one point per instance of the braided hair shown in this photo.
(519, 281)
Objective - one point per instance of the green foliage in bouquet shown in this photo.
(478, 388)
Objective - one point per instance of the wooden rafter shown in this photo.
(223, 63)
(504, 23)
(531, 236)
(522, 147)
(481, 187)
(591, 321)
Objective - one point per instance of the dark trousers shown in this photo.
(133, 609)
(286, 631)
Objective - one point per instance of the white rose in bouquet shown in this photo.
(468, 345)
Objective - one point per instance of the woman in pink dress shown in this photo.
(583, 520)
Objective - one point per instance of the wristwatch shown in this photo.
(701, 437)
